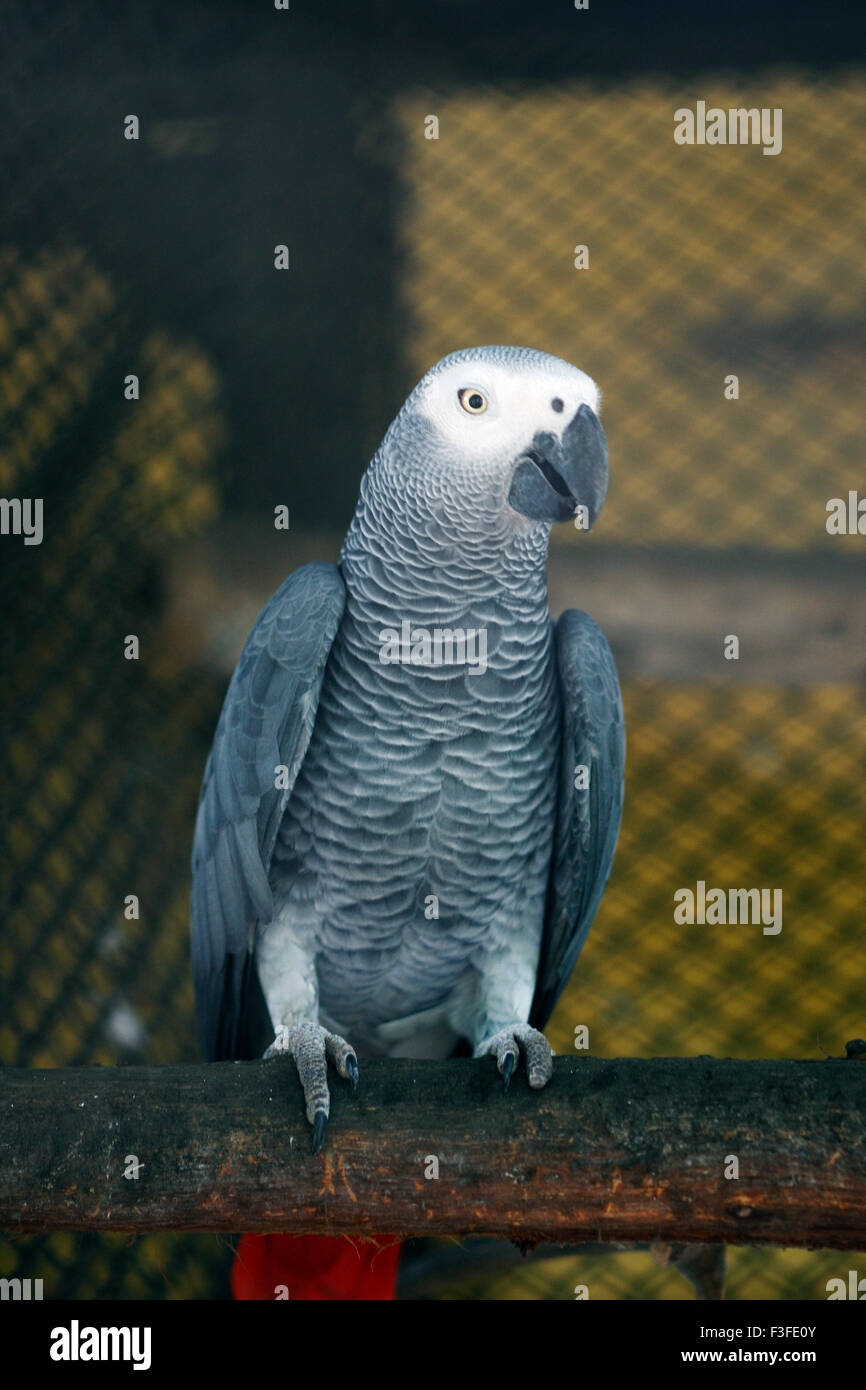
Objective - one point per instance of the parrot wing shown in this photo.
(266, 722)
(587, 818)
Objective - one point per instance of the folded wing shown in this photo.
(266, 722)
(588, 817)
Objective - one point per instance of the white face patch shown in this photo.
(521, 399)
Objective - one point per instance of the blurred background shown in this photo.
(261, 388)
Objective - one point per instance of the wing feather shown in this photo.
(587, 819)
(266, 721)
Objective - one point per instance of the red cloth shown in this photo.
(316, 1267)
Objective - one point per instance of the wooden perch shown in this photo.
(618, 1150)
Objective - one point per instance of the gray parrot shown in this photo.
(410, 810)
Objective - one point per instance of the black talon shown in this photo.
(352, 1069)
(320, 1124)
(507, 1069)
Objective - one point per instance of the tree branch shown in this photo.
(619, 1150)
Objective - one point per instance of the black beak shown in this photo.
(555, 477)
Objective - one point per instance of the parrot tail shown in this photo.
(315, 1268)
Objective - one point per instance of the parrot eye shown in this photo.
(473, 402)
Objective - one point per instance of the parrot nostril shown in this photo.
(557, 404)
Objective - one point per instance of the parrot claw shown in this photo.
(505, 1046)
(312, 1047)
(320, 1124)
(507, 1069)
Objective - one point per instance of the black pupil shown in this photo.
(476, 401)
(557, 404)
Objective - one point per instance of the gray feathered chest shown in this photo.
(419, 830)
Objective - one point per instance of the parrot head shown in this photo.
(520, 427)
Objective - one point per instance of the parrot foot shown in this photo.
(312, 1047)
(505, 1047)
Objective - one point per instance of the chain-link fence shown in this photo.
(701, 264)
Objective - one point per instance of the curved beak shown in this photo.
(555, 477)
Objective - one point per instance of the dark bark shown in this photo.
(611, 1150)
